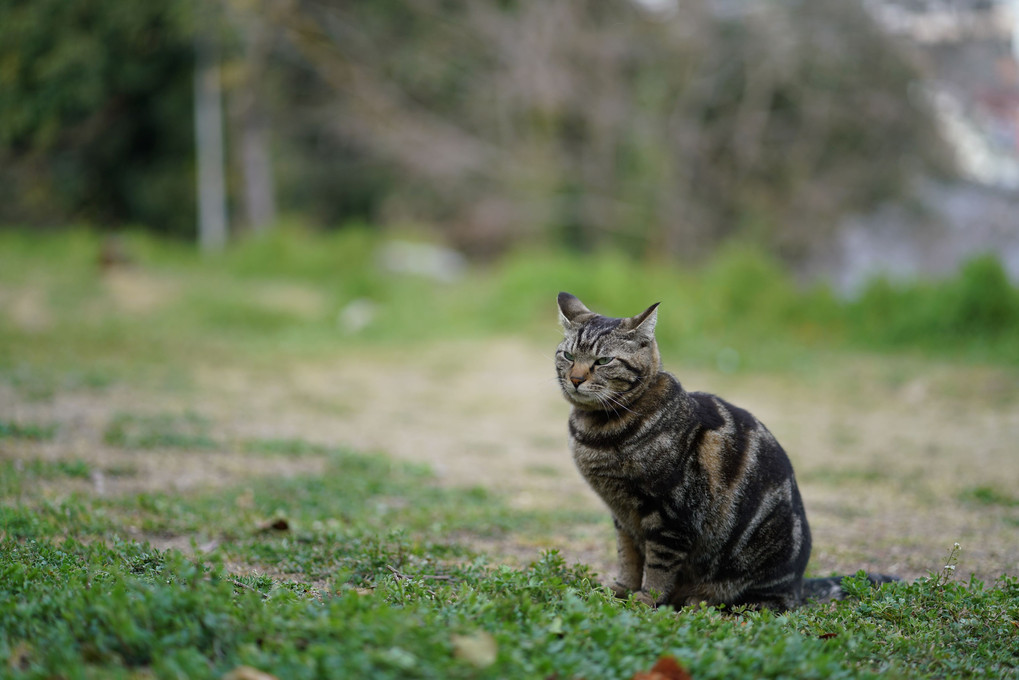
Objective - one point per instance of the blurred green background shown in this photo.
(295, 292)
(407, 168)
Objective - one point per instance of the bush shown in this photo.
(291, 288)
(975, 313)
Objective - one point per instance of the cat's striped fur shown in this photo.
(703, 497)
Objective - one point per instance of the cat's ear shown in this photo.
(644, 323)
(570, 309)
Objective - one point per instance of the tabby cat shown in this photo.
(703, 497)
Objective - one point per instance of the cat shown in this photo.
(703, 497)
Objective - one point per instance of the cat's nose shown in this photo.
(577, 379)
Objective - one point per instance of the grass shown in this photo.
(989, 495)
(32, 431)
(293, 291)
(351, 564)
(187, 431)
(360, 579)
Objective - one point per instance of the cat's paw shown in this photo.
(645, 597)
(619, 590)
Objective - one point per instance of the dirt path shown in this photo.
(896, 460)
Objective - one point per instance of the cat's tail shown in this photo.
(830, 588)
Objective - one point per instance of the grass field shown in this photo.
(204, 468)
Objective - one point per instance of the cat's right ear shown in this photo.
(646, 321)
(570, 308)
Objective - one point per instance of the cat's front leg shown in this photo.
(665, 553)
(631, 563)
(661, 575)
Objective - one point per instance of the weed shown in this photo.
(16, 474)
(164, 430)
(289, 447)
(32, 431)
(988, 495)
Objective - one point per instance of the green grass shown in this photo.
(75, 326)
(989, 495)
(164, 430)
(361, 580)
(32, 431)
(366, 568)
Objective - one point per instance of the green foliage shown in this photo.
(975, 313)
(40, 469)
(929, 626)
(287, 447)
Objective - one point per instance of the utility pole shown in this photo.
(209, 154)
(258, 193)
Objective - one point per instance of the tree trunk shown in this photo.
(259, 199)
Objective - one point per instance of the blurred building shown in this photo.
(970, 53)
(971, 49)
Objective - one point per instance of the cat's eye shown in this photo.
(601, 361)
(568, 356)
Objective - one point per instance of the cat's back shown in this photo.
(735, 441)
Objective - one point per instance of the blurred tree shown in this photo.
(91, 100)
(97, 119)
(582, 122)
(603, 121)
(250, 109)
(210, 146)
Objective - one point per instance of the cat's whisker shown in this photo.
(606, 404)
(612, 399)
(606, 401)
(621, 404)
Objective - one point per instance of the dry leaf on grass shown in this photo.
(21, 657)
(478, 649)
(667, 668)
(248, 673)
(277, 524)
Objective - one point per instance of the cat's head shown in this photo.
(603, 363)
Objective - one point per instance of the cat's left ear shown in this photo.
(645, 322)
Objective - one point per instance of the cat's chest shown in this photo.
(609, 456)
(613, 474)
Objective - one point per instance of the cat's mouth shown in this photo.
(575, 396)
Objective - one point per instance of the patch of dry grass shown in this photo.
(891, 455)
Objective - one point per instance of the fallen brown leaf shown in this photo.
(21, 657)
(277, 524)
(248, 673)
(478, 649)
(666, 668)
